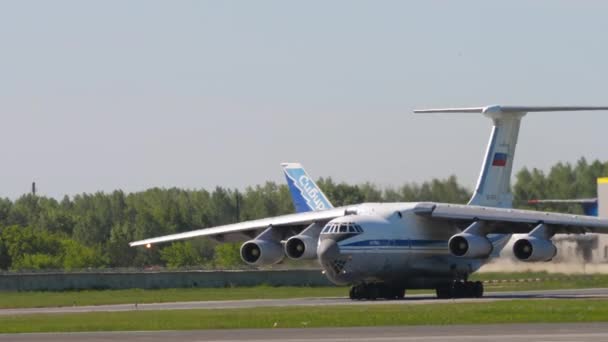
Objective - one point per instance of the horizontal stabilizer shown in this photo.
(510, 109)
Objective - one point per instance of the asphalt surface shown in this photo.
(239, 304)
(586, 332)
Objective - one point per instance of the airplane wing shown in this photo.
(563, 201)
(513, 221)
(278, 221)
(589, 205)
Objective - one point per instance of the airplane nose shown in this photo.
(333, 262)
(328, 250)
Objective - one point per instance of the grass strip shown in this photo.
(515, 311)
(131, 296)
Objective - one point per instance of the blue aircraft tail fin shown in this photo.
(305, 193)
(590, 209)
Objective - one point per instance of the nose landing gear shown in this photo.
(375, 291)
(461, 289)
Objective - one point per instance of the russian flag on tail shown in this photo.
(500, 159)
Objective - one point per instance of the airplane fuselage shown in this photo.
(390, 243)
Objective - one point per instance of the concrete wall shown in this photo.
(157, 280)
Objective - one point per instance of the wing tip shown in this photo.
(140, 243)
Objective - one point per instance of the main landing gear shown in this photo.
(375, 291)
(461, 289)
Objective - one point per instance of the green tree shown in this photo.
(563, 181)
(36, 261)
(181, 254)
(5, 259)
(227, 255)
(5, 211)
(76, 256)
(93, 230)
(119, 253)
(30, 248)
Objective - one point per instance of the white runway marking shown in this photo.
(580, 332)
(459, 338)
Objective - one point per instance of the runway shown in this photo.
(253, 303)
(585, 332)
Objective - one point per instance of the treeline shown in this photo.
(93, 230)
(564, 181)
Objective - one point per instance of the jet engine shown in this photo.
(262, 252)
(301, 247)
(470, 246)
(532, 248)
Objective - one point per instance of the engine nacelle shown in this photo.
(301, 247)
(262, 252)
(467, 245)
(534, 249)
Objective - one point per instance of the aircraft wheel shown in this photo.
(357, 292)
(399, 293)
(478, 289)
(385, 291)
(373, 292)
(444, 292)
(459, 290)
(391, 292)
(469, 289)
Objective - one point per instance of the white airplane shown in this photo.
(382, 249)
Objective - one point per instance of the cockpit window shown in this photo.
(343, 227)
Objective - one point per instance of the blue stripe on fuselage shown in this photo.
(397, 243)
(494, 239)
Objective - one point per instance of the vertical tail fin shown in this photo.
(305, 193)
(494, 185)
(602, 197)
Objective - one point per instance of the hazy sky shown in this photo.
(102, 95)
